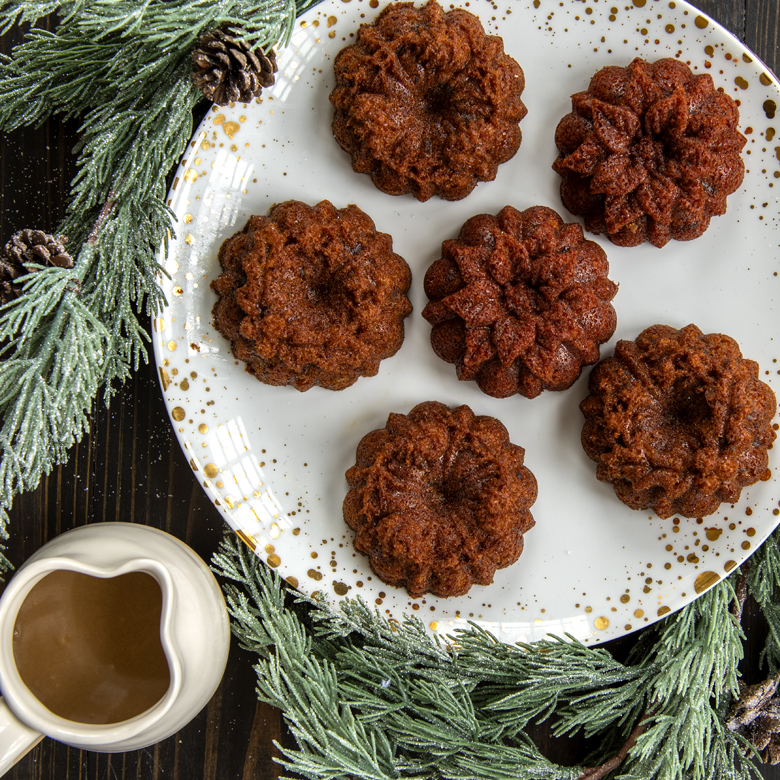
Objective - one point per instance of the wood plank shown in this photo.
(763, 31)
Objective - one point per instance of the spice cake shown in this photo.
(426, 102)
(678, 421)
(649, 153)
(439, 499)
(311, 295)
(520, 302)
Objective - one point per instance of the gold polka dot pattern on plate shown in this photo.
(165, 380)
(178, 414)
(701, 22)
(314, 574)
(210, 470)
(274, 560)
(340, 588)
(663, 611)
(601, 623)
(203, 428)
(189, 239)
(729, 565)
(705, 580)
(434, 625)
(638, 613)
(625, 598)
(292, 581)
(159, 324)
(231, 128)
(172, 346)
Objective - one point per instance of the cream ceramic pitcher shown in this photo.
(194, 634)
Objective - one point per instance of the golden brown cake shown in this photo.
(678, 421)
(649, 153)
(439, 499)
(426, 102)
(311, 295)
(520, 302)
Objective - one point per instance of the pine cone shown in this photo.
(25, 250)
(756, 716)
(226, 70)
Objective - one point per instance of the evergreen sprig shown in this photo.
(368, 697)
(124, 67)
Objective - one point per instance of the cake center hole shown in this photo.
(439, 98)
(323, 289)
(689, 407)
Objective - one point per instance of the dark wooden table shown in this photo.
(130, 468)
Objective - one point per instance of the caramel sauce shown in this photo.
(89, 648)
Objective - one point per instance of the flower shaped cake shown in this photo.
(649, 153)
(426, 102)
(311, 295)
(678, 421)
(439, 499)
(520, 302)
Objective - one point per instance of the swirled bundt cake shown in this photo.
(311, 295)
(426, 102)
(439, 499)
(678, 421)
(649, 153)
(520, 302)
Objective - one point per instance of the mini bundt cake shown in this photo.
(311, 295)
(678, 421)
(520, 302)
(439, 499)
(649, 153)
(426, 102)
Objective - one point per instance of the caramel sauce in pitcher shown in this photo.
(89, 647)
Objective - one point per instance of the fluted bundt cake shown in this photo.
(311, 295)
(678, 421)
(439, 499)
(426, 102)
(520, 302)
(649, 153)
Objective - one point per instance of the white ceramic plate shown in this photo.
(273, 459)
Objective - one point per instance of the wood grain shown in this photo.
(130, 468)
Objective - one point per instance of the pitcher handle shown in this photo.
(16, 738)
